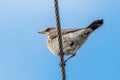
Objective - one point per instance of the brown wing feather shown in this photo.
(63, 32)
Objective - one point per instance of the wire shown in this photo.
(62, 62)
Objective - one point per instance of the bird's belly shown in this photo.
(67, 39)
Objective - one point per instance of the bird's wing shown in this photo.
(63, 32)
(70, 30)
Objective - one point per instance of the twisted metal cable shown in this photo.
(59, 39)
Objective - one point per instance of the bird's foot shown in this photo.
(62, 63)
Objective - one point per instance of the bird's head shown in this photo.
(47, 31)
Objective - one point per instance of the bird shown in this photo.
(72, 38)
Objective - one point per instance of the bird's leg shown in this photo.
(67, 60)
(70, 57)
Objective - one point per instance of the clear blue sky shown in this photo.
(23, 52)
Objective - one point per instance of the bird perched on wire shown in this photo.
(72, 38)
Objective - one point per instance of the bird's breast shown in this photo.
(71, 43)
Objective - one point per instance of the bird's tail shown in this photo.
(96, 24)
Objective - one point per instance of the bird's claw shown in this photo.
(62, 63)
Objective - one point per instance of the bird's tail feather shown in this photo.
(96, 24)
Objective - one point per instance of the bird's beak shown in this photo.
(42, 32)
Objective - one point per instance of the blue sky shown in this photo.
(23, 52)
